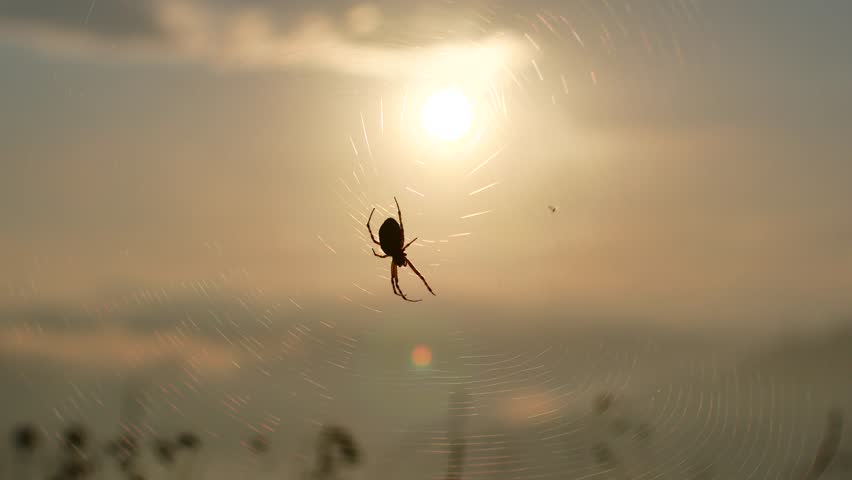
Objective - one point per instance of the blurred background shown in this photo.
(635, 217)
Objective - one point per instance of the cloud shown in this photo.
(255, 35)
(115, 20)
(119, 349)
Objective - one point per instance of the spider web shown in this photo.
(521, 407)
(713, 419)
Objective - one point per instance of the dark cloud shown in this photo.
(110, 20)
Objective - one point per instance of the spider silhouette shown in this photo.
(392, 242)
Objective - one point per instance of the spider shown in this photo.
(392, 236)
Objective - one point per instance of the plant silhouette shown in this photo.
(828, 446)
(336, 447)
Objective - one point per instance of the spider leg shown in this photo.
(403, 295)
(409, 243)
(373, 237)
(376, 254)
(395, 281)
(408, 262)
(399, 214)
(393, 277)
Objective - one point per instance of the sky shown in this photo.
(696, 151)
(186, 183)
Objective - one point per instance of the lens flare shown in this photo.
(421, 356)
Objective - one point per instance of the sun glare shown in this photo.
(447, 114)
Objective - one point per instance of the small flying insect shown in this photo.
(552, 208)
(392, 242)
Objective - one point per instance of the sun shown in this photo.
(447, 114)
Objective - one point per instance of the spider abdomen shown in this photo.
(390, 237)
